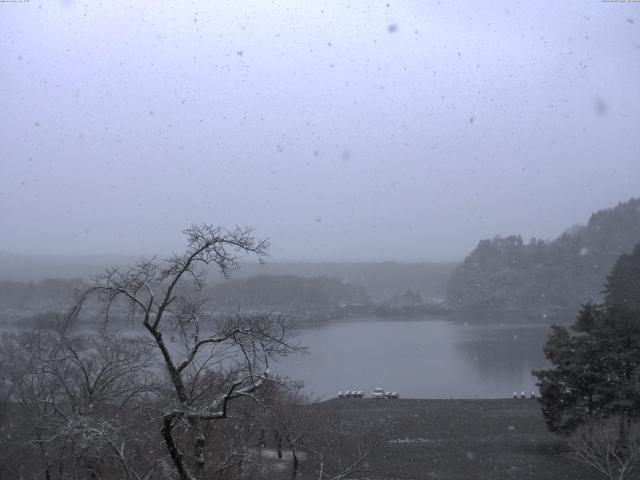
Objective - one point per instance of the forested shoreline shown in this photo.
(506, 279)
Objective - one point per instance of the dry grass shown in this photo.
(456, 439)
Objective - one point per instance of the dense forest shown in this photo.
(307, 299)
(24, 299)
(508, 279)
(308, 292)
(304, 300)
(382, 280)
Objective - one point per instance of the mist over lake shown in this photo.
(419, 358)
(216, 216)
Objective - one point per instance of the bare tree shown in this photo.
(288, 419)
(69, 391)
(207, 368)
(354, 467)
(613, 451)
(297, 424)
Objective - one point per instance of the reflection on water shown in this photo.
(432, 358)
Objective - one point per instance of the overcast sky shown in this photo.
(362, 130)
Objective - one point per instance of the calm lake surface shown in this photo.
(429, 358)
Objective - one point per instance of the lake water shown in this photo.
(430, 358)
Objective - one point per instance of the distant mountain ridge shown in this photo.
(31, 285)
(506, 279)
(382, 280)
(33, 268)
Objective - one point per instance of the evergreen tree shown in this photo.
(622, 293)
(596, 361)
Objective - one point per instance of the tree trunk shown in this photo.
(294, 469)
(278, 439)
(45, 457)
(174, 452)
(261, 439)
(622, 427)
(199, 450)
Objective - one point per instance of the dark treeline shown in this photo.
(311, 300)
(377, 289)
(306, 299)
(508, 279)
(382, 280)
(24, 299)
